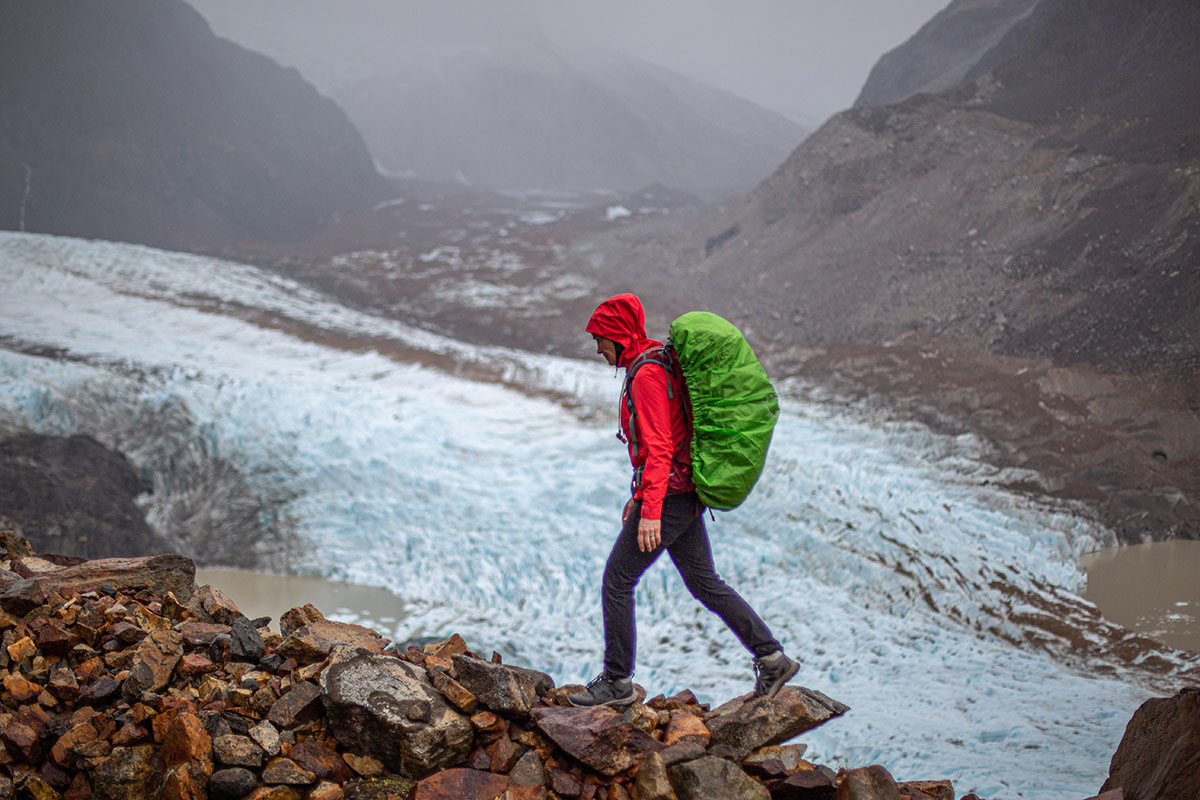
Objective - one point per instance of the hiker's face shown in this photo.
(606, 348)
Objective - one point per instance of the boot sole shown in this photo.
(616, 703)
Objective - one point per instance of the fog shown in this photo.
(802, 58)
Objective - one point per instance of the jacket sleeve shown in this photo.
(654, 434)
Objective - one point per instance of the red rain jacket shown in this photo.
(663, 431)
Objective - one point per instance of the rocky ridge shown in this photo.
(125, 680)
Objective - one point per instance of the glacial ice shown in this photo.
(869, 548)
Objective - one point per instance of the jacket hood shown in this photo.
(622, 319)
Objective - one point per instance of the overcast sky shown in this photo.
(804, 58)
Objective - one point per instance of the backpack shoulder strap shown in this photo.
(664, 357)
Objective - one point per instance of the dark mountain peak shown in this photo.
(133, 121)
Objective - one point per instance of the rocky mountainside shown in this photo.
(939, 55)
(130, 120)
(1046, 205)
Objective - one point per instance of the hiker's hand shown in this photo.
(629, 504)
(649, 534)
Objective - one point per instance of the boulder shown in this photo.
(747, 723)
(711, 778)
(315, 641)
(599, 737)
(385, 707)
(867, 783)
(1159, 755)
(161, 574)
(509, 690)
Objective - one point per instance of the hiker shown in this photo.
(664, 513)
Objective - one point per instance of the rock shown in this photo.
(686, 727)
(683, 751)
(266, 737)
(20, 688)
(1159, 755)
(216, 604)
(390, 788)
(1114, 794)
(775, 761)
(528, 771)
(652, 782)
(461, 784)
(247, 644)
(711, 778)
(63, 751)
(809, 784)
(36, 788)
(198, 634)
(129, 773)
(284, 770)
(385, 707)
(296, 706)
(22, 596)
(187, 742)
(231, 783)
(314, 641)
(22, 741)
(295, 618)
(599, 737)
(926, 790)
(453, 691)
(454, 646)
(99, 691)
(153, 663)
(193, 664)
(747, 722)
(279, 792)
(237, 751)
(325, 790)
(12, 543)
(498, 687)
(321, 761)
(161, 574)
(185, 782)
(867, 783)
(365, 766)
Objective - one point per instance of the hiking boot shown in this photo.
(772, 672)
(605, 691)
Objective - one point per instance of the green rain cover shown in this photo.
(734, 407)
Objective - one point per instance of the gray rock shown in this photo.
(231, 783)
(711, 778)
(247, 644)
(747, 723)
(387, 708)
(528, 771)
(498, 687)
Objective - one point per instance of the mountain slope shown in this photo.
(132, 121)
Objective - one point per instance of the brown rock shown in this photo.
(162, 574)
(63, 751)
(20, 688)
(776, 761)
(528, 771)
(452, 690)
(217, 605)
(153, 663)
(1159, 755)
(807, 784)
(867, 783)
(53, 639)
(461, 784)
(176, 611)
(22, 649)
(652, 782)
(295, 618)
(502, 755)
(63, 684)
(281, 792)
(365, 766)
(499, 687)
(22, 741)
(747, 723)
(926, 790)
(321, 761)
(711, 778)
(129, 733)
(314, 641)
(385, 707)
(129, 773)
(237, 751)
(284, 770)
(681, 751)
(389, 788)
(187, 742)
(487, 722)
(296, 706)
(686, 727)
(599, 737)
(185, 782)
(36, 788)
(326, 791)
(266, 737)
(454, 646)
(99, 691)
(201, 634)
(193, 664)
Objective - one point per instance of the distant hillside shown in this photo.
(130, 120)
(479, 96)
(1047, 204)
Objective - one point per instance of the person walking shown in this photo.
(663, 513)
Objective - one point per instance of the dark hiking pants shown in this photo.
(685, 538)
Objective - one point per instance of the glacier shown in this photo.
(482, 487)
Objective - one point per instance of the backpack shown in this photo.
(729, 399)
